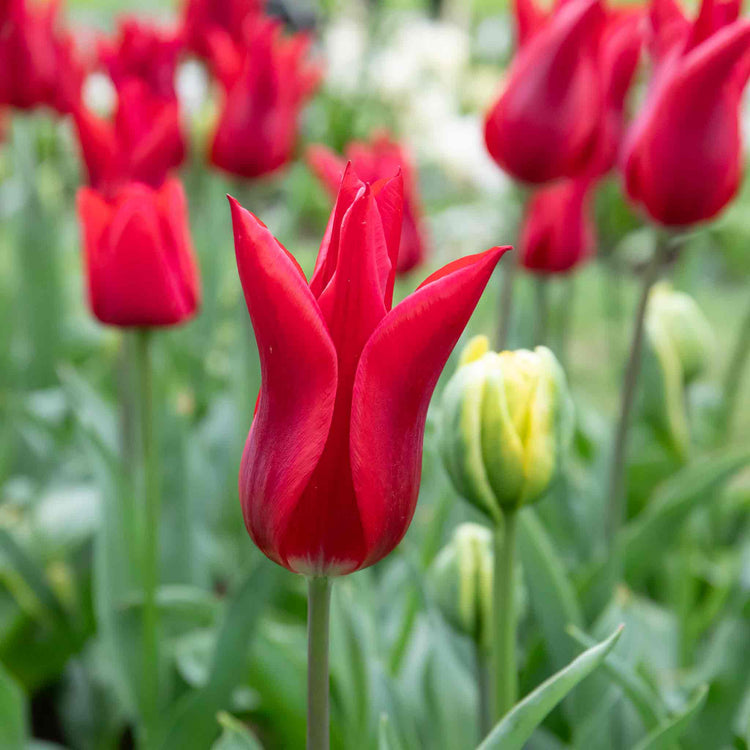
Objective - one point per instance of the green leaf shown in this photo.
(643, 697)
(552, 595)
(666, 734)
(515, 728)
(652, 531)
(192, 721)
(13, 728)
(236, 736)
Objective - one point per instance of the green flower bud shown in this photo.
(507, 426)
(461, 580)
(678, 347)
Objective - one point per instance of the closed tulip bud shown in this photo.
(508, 423)
(461, 579)
(679, 344)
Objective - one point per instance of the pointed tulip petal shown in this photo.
(299, 371)
(397, 373)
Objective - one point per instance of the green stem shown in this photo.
(318, 615)
(504, 618)
(404, 633)
(616, 489)
(483, 690)
(735, 371)
(541, 309)
(149, 534)
(565, 317)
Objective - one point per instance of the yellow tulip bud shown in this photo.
(507, 425)
(461, 580)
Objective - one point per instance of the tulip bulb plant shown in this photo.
(331, 467)
(507, 427)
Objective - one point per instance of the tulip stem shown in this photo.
(318, 615)
(616, 494)
(734, 373)
(149, 534)
(541, 311)
(504, 618)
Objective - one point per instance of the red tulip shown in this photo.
(265, 82)
(379, 159)
(557, 234)
(682, 157)
(331, 467)
(543, 126)
(38, 65)
(212, 25)
(139, 257)
(619, 52)
(145, 53)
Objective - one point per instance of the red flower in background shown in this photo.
(144, 140)
(557, 234)
(266, 82)
(139, 257)
(210, 27)
(38, 65)
(682, 158)
(331, 467)
(381, 158)
(543, 126)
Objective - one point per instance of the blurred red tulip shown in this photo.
(210, 26)
(381, 158)
(543, 126)
(331, 468)
(139, 257)
(558, 234)
(38, 64)
(266, 83)
(682, 156)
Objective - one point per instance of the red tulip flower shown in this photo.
(139, 257)
(212, 26)
(331, 467)
(266, 83)
(682, 158)
(38, 65)
(543, 126)
(380, 158)
(557, 234)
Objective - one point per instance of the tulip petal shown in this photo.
(299, 372)
(397, 374)
(327, 166)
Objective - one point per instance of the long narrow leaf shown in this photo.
(643, 697)
(192, 722)
(519, 724)
(665, 735)
(13, 727)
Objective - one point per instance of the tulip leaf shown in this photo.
(666, 734)
(192, 721)
(672, 502)
(236, 736)
(643, 697)
(515, 728)
(13, 727)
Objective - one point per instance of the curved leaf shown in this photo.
(666, 734)
(520, 722)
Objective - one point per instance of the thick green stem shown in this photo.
(735, 371)
(504, 618)
(318, 614)
(541, 309)
(149, 538)
(616, 489)
(508, 278)
(483, 692)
